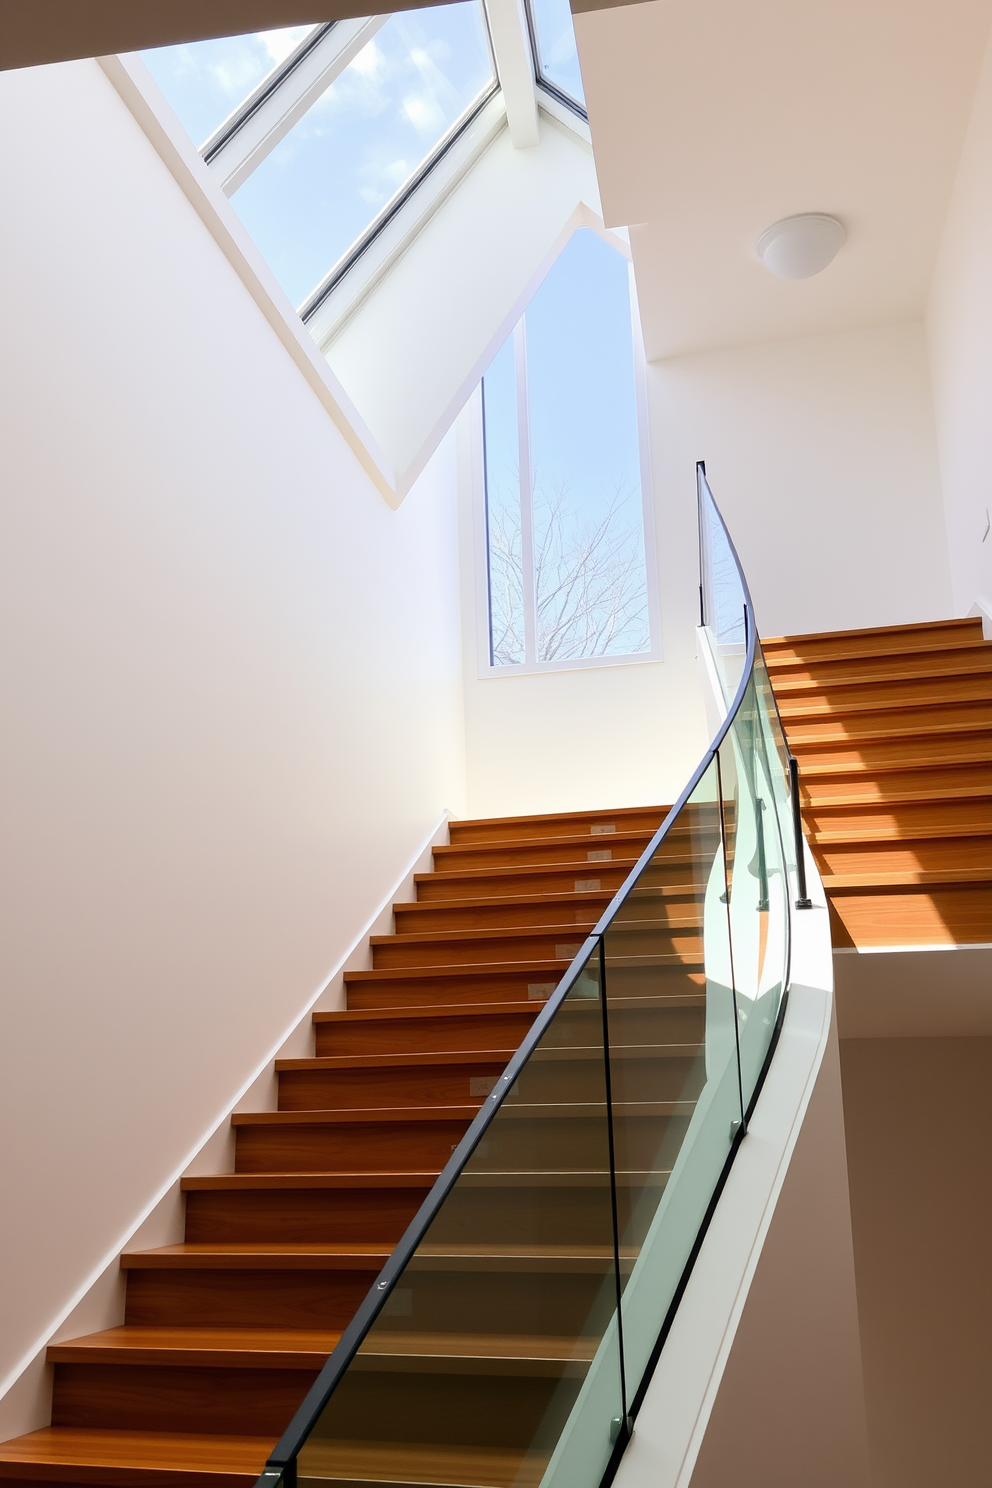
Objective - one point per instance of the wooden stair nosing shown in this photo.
(253, 1182)
(838, 882)
(135, 1459)
(441, 1010)
(258, 1256)
(332, 1062)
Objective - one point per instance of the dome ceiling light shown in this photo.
(799, 247)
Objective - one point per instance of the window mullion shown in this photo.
(526, 495)
(267, 122)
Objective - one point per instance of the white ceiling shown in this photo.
(712, 119)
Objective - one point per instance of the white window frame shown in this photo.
(530, 666)
(263, 119)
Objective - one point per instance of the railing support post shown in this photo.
(804, 901)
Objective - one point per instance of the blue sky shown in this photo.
(556, 44)
(205, 81)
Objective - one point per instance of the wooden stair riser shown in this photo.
(454, 1407)
(625, 846)
(911, 916)
(677, 870)
(569, 824)
(424, 1085)
(301, 1216)
(567, 910)
(159, 1398)
(247, 1299)
(891, 727)
(909, 754)
(853, 700)
(826, 647)
(426, 1033)
(937, 783)
(459, 986)
(552, 1073)
(909, 823)
(799, 680)
(482, 948)
(406, 1145)
(894, 857)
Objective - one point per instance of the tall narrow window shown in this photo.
(564, 517)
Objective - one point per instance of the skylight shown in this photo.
(343, 145)
(364, 139)
(556, 57)
(205, 81)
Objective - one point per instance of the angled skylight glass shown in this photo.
(205, 81)
(364, 139)
(564, 516)
(556, 56)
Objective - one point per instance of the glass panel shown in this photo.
(363, 139)
(759, 888)
(673, 1061)
(503, 532)
(205, 81)
(777, 751)
(558, 60)
(495, 1359)
(585, 458)
(723, 595)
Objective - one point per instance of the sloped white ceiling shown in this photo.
(414, 350)
(712, 119)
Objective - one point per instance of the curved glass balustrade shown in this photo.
(511, 1336)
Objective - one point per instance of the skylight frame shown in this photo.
(263, 91)
(323, 291)
(541, 80)
(279, 80)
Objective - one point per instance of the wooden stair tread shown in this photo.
(442, 1010)
(550, 819)
(396, 1061)
(867, 644)
(801, 677)
(852, 700)
(567, 932)
(581, 841)
(133, 1457)
(912, 628)
(261, 1256)
(909, 754)
(908, 877)
(423, 1465)
(257, 1348)
(900, 724)
(492, 969)
(249, 1182)
(362, 1117)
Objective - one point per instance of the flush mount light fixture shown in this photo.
(798, 247)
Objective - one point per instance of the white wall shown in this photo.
(959, 329)
(821, 452)
(822, 455)
(232, 686)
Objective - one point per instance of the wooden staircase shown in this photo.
(892, 729)
(224, 1334)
